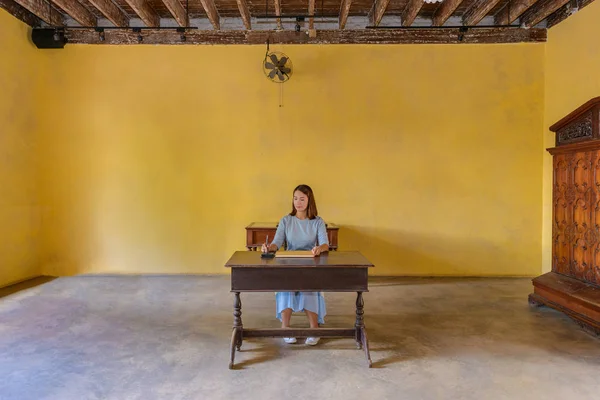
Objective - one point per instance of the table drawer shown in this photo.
(335, 279)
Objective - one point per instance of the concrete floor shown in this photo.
(168, 338)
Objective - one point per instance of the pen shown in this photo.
(267, 243)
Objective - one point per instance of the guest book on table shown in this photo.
(294, 254)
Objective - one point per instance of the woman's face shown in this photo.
(300, 201)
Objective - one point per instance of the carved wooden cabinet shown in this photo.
(573, 285)
(256, 234)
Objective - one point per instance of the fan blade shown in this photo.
(285, 70)
(280, 75)
(282, 61)
(273, 73)
(274, 59)
(269, 65)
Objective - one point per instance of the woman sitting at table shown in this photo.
(301, 229)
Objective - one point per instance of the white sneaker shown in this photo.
(312, 341)
(289, 340)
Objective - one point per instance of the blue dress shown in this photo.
(301, 234)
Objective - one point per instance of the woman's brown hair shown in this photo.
(311, 210)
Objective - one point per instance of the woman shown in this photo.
(302, 229)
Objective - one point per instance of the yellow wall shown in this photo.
(427, 156)
(20, 223)
(159, 156)
(572, 78)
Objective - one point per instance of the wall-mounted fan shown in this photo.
(277, 66)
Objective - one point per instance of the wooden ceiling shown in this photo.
(301, 21)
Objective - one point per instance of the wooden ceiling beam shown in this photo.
(177, 11)
(20, 12)
(331, 36)
(76, 10)
(245, 13)
(377, 11)
(444, 11)
(212, 13)
(344, 10)
(540, 11)
(41, 9)
(565, 11)
(111, 12)
(410, 12)
(145, 12)
(478, 11)
(277, 4)
(516, 8)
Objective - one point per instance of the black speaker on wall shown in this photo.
(48, 38)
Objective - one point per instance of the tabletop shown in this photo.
(346, 259)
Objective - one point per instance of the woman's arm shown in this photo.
(277, 240)
(321, 238)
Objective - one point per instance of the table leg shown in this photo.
(237, 318)
(238, 328)
(234, 338)
(361, 331)
(359, 320)
(365, 342)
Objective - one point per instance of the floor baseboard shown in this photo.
(24, 284)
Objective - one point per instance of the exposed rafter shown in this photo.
(344, 10)
(515, 8)
(245, 13)
(145, 12)
(277, 4)
(539, 11)
(377, 11)
(76, 10)
(565, 11)
(411, 11)
(212, 13)
(444, 11)
(111, 12)
(177, 11)
(42, 10)
(478, 11)
(20, 12)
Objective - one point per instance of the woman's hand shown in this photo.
(317, 250)
(265, 249)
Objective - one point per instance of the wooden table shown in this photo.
(340, 271)
(256, 234)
